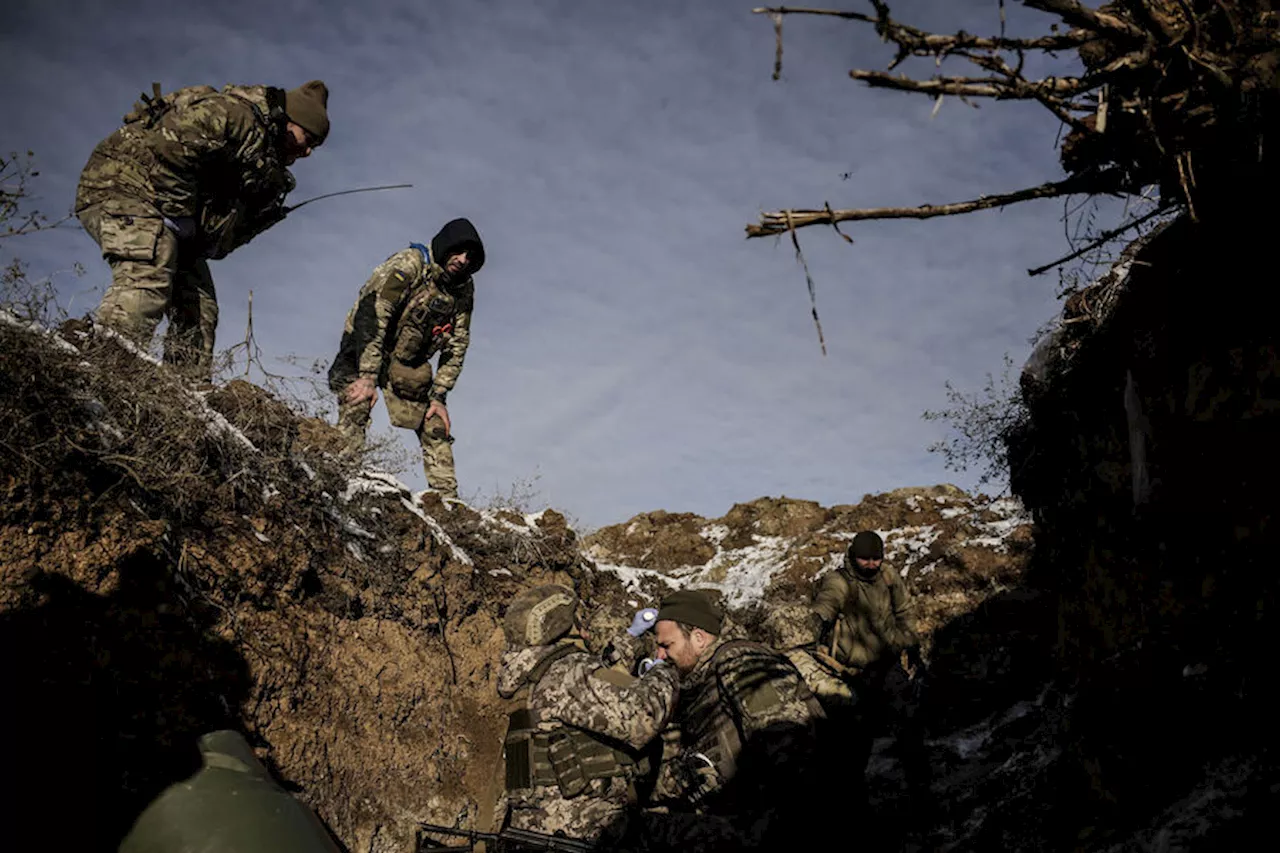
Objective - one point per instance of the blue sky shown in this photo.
(631, 350)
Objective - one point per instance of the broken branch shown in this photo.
(780, 222)
(923, 43)
(1082, 16)
(1106, 236)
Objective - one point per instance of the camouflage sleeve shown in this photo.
(829, 600)
(270, 212)
(826, 685)
(634, 715)
(379, 298)
(189, 141)
(672, 779)
(764, 689)
(452, 355)
(625, 648)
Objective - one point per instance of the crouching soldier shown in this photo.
(791, 630)
(747, 724)
(416, 304)
(191, 176)
(575, 748)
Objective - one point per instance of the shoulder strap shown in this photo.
(543, 665)
(738, 644)
(426, 253)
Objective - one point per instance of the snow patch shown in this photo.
(10, 319)
(492, 517)
(742, 574)
(438, 533)
(633, 577)
(714, 533)
(373, 483)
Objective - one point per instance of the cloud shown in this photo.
(629, 345)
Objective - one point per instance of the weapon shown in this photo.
(292, 208)
(503, 840)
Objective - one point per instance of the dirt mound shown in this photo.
(173, 564)
(963, 558)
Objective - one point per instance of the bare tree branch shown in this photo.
(1078, 15)
(1106, 237)
(930, 44)
(780, 222)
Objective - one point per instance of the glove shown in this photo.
(700, 776)
(184, 226)
(649, 663)
(642, 622)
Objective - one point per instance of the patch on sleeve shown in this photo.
(395, 285)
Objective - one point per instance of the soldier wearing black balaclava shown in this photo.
(863, 611)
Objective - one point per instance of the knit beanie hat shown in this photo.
(868, 545)
(692, 607)
(306, 106)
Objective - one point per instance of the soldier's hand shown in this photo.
(643, 621)
(701, 774)
(362, 389)
(438, 408)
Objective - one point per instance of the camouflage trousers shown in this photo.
(437, 446)
(598, 814)
(151, 278)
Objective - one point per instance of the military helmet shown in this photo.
(231, 804)
(539, 616)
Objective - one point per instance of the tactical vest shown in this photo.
(563, 756)
(426, 321)
(709, 724)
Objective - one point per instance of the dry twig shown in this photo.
(788, 220)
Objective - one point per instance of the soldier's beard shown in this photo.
(448, 280)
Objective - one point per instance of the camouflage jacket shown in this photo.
(209, 155)
(742, 702)
(872, 618)
(575, 747)
(401, 318)
(574, 692)
(829, 688)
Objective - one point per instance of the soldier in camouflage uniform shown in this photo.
(417, 303)
(864, 616)
(790, 631)
(191, 176)
(576, 740)
(747, 723)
